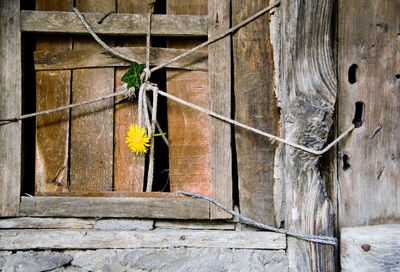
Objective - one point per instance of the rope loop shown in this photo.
(145, 76)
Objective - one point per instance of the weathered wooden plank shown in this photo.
(72, 59)
(134, 6)
(189, 131)
(370, 248)
(138, 207)
(95, 239)
(219, 84)
(255, 105)
(128, 167)
(10, 106)
(114, 24)
(46, 223)
(308, 87)
(369, 72)
(195, 225)
(92, 125)
(113, 194)
(52, 131)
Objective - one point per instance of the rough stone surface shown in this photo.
(35, 261)
(150, 259)
(70, 269)
(181, 259)
(124, 224)
(3, 258)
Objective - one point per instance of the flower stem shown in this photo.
(158, 134)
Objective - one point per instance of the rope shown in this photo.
(151, 126)
(70, 106)
(204, 110)
(176, 99)
(212, 40)
(218, 37)
(242, 219)
(150, 171)
(103, 44)
(270, 136)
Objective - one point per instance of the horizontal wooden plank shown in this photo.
(72, 59)
(195, 225)
(113, 194)
(46, 223)
(113, 24)
(370, 248)
(137, 207)
(97, 239)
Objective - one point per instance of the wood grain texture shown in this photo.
(194, 225)
(370, 248)
(369, 176)
(113, 194)
(52, 131)
(219, 85)
(189, 131)
(115, 24)
(308, 96)
(138, 207)
(255, 105)
(46, 223)
(128, 167)
(72, 59)
(53, 89)
(92, 125)
(10, 106)
(96, 239)
(134, 6)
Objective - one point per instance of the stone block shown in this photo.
(123, 224)
(35, 261)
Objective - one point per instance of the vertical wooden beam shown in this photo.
(10, 106)
(92, 125)
(369, 72)
(308, 96)
(189, 130)
(128, 167)
(52, 131)
(219, 84)
(255, 105)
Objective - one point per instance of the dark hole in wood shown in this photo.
(366, 247)
(397, 76)
(352, 75)
(346, 164)
(359, 114)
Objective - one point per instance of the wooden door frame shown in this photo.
(17, 21)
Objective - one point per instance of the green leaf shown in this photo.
(132, 76)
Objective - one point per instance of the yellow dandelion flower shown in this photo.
(137, 140)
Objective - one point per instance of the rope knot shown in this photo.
(145, 76)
